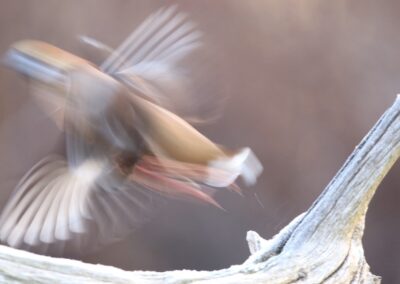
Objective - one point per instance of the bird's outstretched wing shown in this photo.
(164, 37)
(73, 207)
(148, 59)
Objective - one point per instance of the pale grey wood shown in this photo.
(322, 245)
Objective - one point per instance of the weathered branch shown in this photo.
(323, 245)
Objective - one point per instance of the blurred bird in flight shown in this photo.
(124, 143)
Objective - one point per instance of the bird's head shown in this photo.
(61, 82)
(42, 62)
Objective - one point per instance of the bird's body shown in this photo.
(121, 143)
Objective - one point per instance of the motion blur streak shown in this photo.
(122, 144)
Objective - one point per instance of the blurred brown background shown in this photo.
(302, 83)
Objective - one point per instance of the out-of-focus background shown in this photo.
(301, 83)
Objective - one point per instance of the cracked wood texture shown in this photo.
(322, 245)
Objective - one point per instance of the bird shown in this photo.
(125, 146)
